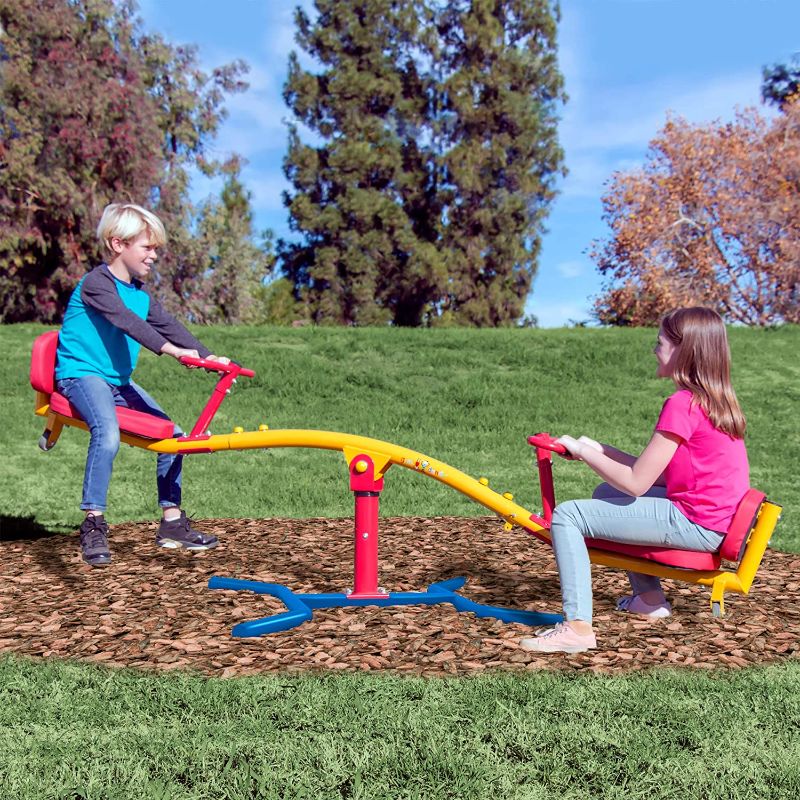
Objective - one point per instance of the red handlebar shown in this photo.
(547, 442)
(217, 366)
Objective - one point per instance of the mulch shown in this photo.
(151, 608)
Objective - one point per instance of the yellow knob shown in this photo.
(483, 481)
(263, 427)
(508, 495)
(508, 526)
(361, 466)
(238, 429)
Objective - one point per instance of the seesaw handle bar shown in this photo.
(217, 366)
(547, 442)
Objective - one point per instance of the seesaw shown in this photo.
(368, 461)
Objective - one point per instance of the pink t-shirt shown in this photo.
(709, 473)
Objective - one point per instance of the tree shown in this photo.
(498, 147)
(712, 218)
(227, 269)
(351, 190)
(422, 200)
(781, 82)
(94, 110)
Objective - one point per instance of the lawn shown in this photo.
(468, 398)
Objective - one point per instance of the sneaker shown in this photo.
(94, 541)
(634, 604)
(561, 639)
(179, 533)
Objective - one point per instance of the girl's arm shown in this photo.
(632, 478)
(621, 457)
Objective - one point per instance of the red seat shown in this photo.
(42, 374)
(731, 549)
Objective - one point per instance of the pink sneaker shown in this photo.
(634, 604)
(561, 639)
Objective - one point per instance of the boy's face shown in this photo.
(137, 256)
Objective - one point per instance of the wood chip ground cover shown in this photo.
(151, 609)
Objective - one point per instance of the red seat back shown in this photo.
(742, 523)
(43, 367)
(43, 362)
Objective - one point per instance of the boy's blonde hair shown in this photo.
(126, 221)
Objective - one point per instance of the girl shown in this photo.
(681, 492)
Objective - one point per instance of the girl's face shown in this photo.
(665, 352)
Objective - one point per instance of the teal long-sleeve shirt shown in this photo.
(106, 323)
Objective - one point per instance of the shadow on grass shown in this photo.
(18, 529)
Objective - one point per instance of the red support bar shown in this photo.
(367, 491)
(365, 560)
(228, 374)
(544, 461)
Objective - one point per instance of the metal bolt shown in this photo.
(365, 535)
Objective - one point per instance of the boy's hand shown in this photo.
(221, 359)
(178, 352)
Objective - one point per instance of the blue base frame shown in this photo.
(300, 607)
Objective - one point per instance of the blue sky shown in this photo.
(627, 63)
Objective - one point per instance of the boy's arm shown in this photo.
(99, 293)
(172, 330)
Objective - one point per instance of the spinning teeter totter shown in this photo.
(368, 461)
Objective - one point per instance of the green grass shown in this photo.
(68, 731)
(468, 398)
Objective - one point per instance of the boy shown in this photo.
(110, 315)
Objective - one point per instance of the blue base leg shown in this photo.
(299, 607)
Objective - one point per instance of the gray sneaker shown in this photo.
(94, 541)
(178, 533)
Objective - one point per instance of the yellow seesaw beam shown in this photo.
(383, 455)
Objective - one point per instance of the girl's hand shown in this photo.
(574, 447)
(591, 443)
(221, 359)
(577, 447)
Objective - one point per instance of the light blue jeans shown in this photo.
(651, 519)
(96, 401)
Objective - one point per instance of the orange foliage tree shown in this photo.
(713, 218)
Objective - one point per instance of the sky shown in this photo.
(627, 64)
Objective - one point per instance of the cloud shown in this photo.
(571, 269)
(610, 132)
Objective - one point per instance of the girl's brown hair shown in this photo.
(703, 365)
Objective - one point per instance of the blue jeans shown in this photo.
(651, 519)
(95, 400)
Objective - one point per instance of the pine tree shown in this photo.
(499, 151)
(422, 201)
(780, 83)
(349, 190)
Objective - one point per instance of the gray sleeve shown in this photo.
(99, 293)
(172, 330)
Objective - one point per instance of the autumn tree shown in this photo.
(712, 218)
(94, 110)
(423, 197)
